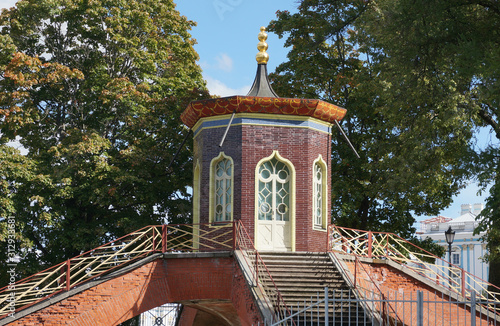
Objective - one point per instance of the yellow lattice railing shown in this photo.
(390, 246)
(199, 237)
(113, 255)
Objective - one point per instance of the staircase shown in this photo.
(302, 277)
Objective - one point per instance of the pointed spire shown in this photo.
(261, 86)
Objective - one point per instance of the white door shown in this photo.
(273, 219)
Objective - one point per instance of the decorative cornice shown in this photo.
(242, 119)
(269, 105)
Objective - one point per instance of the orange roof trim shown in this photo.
(250, 104)
(437, 219)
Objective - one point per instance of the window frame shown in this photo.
(196, 204)
(277, 184)
(292, 188)
(212, 197)
(324, 193)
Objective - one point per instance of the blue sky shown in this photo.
(226, 34)
(227, 39)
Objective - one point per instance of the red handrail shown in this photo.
(369, 234)
(280, 303)
(106, 258)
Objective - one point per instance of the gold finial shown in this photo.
(262, 56)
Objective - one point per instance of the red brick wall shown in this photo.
(187, 316)
(149, 286)
(388, 278)
(394, 284)
(243, 301)
(206, 148)
(247, 145)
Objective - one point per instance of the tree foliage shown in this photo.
(93, 90)
(419, 79)
(453, 44)
(412, 140)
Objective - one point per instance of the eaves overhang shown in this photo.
(318, 109)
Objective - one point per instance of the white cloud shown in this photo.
(7, 3)
(222, 62)
(216, 87)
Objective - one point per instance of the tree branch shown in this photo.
(486, 117)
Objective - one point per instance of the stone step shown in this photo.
(301, 268)
(287, 272)
(295, 258)
(309, 292)
(304, 277)
(303, 272)
(301, 279)
(308, 283)
(305, 267)
(297, 265)
(311, 287)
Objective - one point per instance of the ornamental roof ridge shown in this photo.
(268, 105)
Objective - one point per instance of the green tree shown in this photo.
(412, 148)
(451, 48)
(94, 91)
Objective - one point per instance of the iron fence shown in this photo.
(338, 307)
(165, 315)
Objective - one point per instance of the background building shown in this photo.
(467, 248)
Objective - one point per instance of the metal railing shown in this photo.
(339, 307)
(359, 286)
(383, 245)
(227, 237)
(261, 275)
(198, 237)
(165, 315)
(114, 255)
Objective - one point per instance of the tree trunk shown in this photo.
(494, 276)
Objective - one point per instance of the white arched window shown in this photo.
(274, 191)
(221, 189)
(319, 194)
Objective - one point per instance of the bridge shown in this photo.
(217, 275)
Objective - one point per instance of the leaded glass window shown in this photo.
(223, 190)
(318, 195)
(274, 191)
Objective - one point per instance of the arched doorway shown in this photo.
(275, 204)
